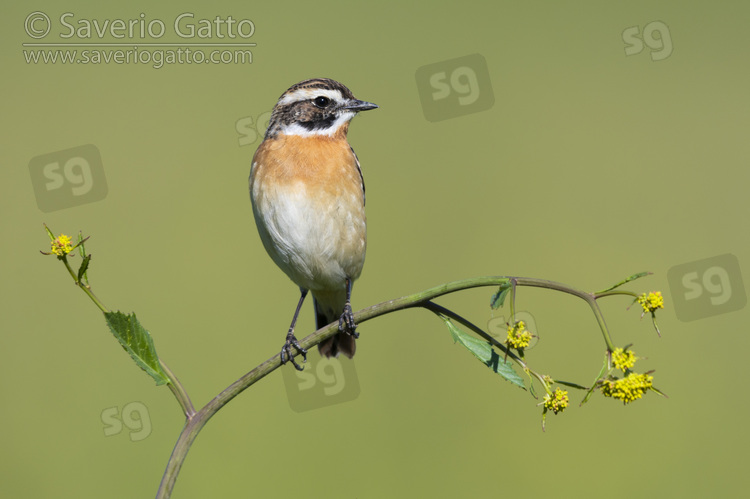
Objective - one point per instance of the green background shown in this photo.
(591, 165)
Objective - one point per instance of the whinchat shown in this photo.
(308, 198)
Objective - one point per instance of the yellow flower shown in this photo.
(628, 389)
(61, 245)
(557, 402)
(518, 335)
(652, 301)
(623, 359)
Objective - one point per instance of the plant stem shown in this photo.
(86, 289)
(423, 298)
(195, 421)
(179, 391)
(614, 293)
(434, 307)
(174, 383)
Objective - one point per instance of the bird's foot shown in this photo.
(346, 321)
(286, 351)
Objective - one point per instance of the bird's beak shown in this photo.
(359, 105)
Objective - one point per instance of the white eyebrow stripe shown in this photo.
(308, 93)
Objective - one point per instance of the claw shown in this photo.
(346, 321)
(286, 351)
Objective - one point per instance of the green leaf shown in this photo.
(137, 342)
(83, 268)
(499, 298)
(505, 369)
(631, 278)
(480, 348)
(49, 233)
(483, 351)
(659, 392)
(85, 258)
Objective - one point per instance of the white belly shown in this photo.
(318, 242)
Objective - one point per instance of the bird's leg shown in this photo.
(291, 341)
(346, 321)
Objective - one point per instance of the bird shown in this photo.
(308, 199)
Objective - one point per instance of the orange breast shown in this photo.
(326, 165)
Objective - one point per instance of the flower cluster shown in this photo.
(652, 301)
(518, 335)
(557, 401)
(623, 359)
(628, 389)
(61, 245)
(631, 386)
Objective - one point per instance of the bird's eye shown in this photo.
(322, 101)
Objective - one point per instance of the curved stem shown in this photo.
(422, 298)
(591, 300)
(174, 383)
(191, 429)
(179, 391)
(195, 421)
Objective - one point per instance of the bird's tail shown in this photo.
(340, 342)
